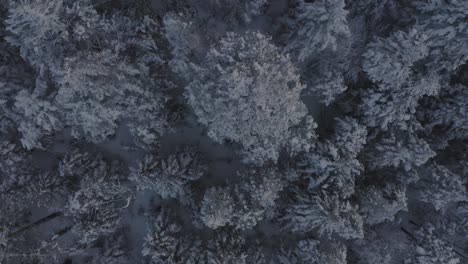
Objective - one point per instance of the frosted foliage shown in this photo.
(448, 113)
(38, 31)
(96, 206)
(389, 61)
(217, 207)
(432, 250)
(166, 243)
(78, 55)
(233, 131)
(180, 34)
(406, 152)
(40, 119)
(15, 75)
(379, 205)
(439, 187)
(244, 9)
(228, 248)
(9, 218)
(109, 100)
(445, 23)
(384, 110)
(318, 39)
(326, 215)
(113, 252)
(377, 249)
(24, 182)
(96, 218)
(266, 190)
(334, 161)
(255, 199)
(304, 136)
(379, 111)
(161, 242)
(247, 215)
(34, 187)
(328, 86)
(13, 160)
(393, 64)
(170, 176)
(319, 25)
(377, 10)
(349, 138)
(315, 252)
(332, 252)
(249, 93)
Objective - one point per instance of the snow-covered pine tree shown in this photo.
(170, 176)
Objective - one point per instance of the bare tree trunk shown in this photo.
(36, 223)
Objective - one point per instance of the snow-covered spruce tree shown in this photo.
(40, 118)
(39, 30)
(319, 25)
(444, 21)
(443, 117)
(246, 203)
(379, 17)
(96, 202)
(393, 65)
(180, 33)
(164, 242)
(430, 249)
(325, 214)
(312, 251)
(383, 193)
(249, 93)
(15, 75)
(330, 171)
(369, 19)
(384, 244)
(258, 193)
(439, 187)
(400, 148)
(229, 246)
(217, 207)
(113, 251)
(169, 176)
(256, 196)
(450, 225)
(378, 204)
(332, 164)
(26, 182)
(14, 161)
(20, 107)
(319, 39)
(167, 243)
(389, 62)
(24, 186)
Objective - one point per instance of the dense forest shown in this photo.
(234, 131)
